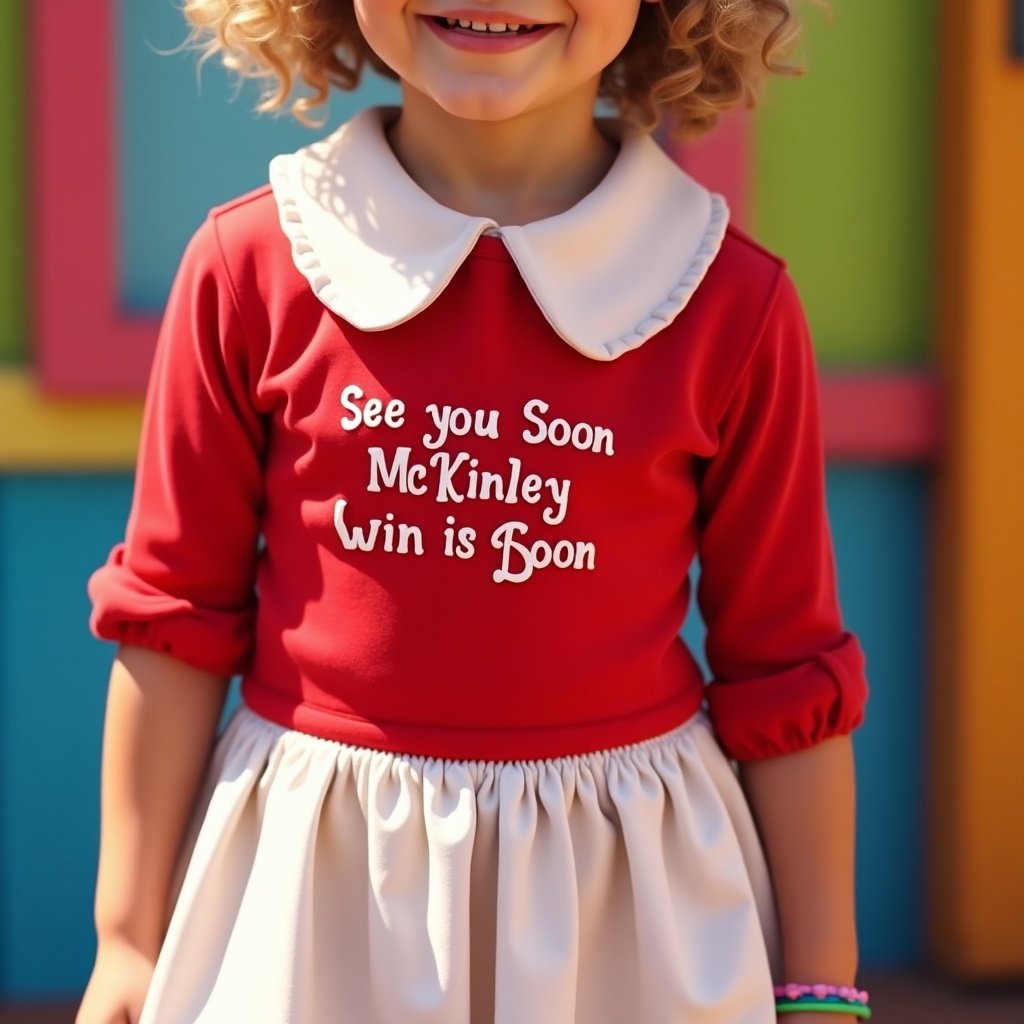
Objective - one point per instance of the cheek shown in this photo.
(365, 24)
(604, 27)
(620, 19)
(381, 24)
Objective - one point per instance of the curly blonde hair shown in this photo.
(687, 60)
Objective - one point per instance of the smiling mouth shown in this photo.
(486, 28)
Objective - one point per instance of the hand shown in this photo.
(118, 985)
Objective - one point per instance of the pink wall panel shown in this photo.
(83, 343)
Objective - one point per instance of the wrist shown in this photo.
(144, 940)
(824, 952)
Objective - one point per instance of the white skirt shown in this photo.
(332, 884)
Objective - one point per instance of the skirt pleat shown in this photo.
(322, 883)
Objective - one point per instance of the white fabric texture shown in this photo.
(377, 249)
(332, 883)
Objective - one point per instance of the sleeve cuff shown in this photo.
(130, 611)
(772, 715)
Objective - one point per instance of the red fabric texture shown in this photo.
(786, 675)
(707, 438)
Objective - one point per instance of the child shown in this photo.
(438, 421)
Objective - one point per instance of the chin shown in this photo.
(482, 105)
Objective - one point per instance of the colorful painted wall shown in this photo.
(109, 157)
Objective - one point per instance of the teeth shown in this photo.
(483, 26)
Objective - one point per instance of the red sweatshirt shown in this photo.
(457, 535)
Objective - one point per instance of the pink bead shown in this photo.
(793, 991)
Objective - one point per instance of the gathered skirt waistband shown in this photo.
(323, 882)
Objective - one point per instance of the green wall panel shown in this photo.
(845, 178)
(13, 277)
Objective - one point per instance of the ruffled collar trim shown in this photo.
(608, 274)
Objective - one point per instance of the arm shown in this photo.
(789, 683)
(803, 804)
(179, 597)
(160, 723)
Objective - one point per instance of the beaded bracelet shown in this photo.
(824, 998)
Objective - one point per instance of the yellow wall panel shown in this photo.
(42, 433)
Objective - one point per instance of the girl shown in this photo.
(438, 422)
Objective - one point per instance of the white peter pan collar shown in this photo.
(608, 274)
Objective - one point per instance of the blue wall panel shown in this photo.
(55, 530)
(879, 529)
(880, 523)
(190, 140)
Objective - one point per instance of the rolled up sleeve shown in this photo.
(182, 582)
(786, 675)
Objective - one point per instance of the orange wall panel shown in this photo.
(977, 886)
